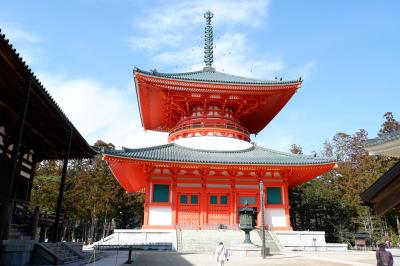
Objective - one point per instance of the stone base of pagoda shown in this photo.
(205, 241)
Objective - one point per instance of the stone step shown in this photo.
(17, 232)
(18, 236)
(207, 240)
(63, 252)
(70, 258)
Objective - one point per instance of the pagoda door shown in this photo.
(218, 209)
(189, 210)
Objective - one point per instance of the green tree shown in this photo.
(94, 203)
(331, 202)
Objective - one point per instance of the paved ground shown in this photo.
(288, 259)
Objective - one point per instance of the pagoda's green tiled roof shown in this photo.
(209, 74)
(383, 139)
(254, 155)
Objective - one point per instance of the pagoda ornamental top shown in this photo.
(208, 40)
(209, 103)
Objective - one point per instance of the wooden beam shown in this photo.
(7, 206)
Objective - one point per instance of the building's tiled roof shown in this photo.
(383, 139)
(254, 155)
(209, 74)
(21, 70)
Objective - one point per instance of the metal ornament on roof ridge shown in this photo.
(208, 39)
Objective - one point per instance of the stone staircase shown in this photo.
(56, 254)
(62, 251)
(18, 232)
(271, 241)
(205, 241)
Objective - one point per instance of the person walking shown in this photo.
(383, 257)
(222, 254)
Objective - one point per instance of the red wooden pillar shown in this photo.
(285, 197)
(233, 202)
(259, 205)
(203, 203)
(174, 202)
(147, 202)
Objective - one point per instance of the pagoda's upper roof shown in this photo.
(209, 74)
(164, 98)
(254, 155)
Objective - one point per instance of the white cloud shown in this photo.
(111, 114)
(25, 41)
(169, 24)
(100, 112)
(16, 33)
(167, 35)
(232, 54)
(304, 71)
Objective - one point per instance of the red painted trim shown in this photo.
(222, 166)
(284, 228)
(224, 132)
(214, 125)
(158, 227)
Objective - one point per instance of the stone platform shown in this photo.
(247, 250)
(313, 241)
(205, 241)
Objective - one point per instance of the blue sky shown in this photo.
(84, 52)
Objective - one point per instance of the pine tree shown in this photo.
(390, 125)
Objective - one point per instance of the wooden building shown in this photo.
(384, 194)
(33, 128)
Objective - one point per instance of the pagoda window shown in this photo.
(213, 199)
(194, 199)
(183, 199)
(274, 195)
(160, 193)
(223, 200)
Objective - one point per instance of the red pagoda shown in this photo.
(210, 169)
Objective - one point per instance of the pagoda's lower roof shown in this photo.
(254, 155)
